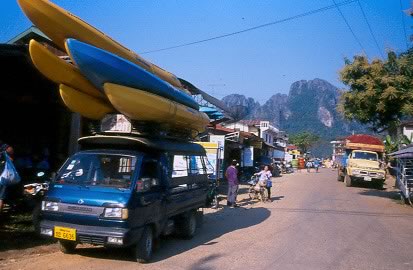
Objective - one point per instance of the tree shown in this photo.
(391, 145)
(303, 140)
(381, 92)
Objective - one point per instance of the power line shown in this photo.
(371, 31)
(311, 12)
(404, 24)
(349, 27)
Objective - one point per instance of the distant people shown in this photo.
(232, 177)
(5, 150)
(308, 165)
(316, 165)
(265, 180)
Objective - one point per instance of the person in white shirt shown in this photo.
(265, 180)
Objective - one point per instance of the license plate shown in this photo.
(65, 233)
(367, 178)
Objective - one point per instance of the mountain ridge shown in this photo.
(310, 105)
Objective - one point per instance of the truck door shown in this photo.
(149, 192)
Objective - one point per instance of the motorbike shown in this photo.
(212, 196)
(255, 190)
(34, 194)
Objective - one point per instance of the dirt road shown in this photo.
(314, 222)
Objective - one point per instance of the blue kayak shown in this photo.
(100, 67)
(208, 110)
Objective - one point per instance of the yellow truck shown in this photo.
(362, 160)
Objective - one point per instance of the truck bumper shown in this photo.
(106, 236)
(359, 178)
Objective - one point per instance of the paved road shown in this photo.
(314, 222)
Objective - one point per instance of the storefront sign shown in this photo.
(256, 144)
(248, 157)
(212, 162)
(220, 140)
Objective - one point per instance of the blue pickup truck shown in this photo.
(126, 191)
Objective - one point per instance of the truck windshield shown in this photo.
(97, 169)
(365, 155)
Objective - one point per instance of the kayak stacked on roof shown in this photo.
(107, 77)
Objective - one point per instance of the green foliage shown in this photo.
(381, 92)
(392, 145)
(303, 140)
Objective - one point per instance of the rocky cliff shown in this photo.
(309, 106)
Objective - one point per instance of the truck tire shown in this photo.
(339, 176)
(187, 225)
(347, 180)
(379, 185)
(67, 247)
(144, 248)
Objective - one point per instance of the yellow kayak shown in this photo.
(59, 71)
(84, 104)
(59, 24)
(144, 106)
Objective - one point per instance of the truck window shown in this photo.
(188, 165)
(364, 155)
(149, 176)
(197, 165)
(180, 166)
(97, 169)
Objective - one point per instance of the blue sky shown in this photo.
(257, 63)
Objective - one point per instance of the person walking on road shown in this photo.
(232, 176)
(265, 180)
(308, 165)
(316, 165)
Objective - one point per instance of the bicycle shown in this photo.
(257, 191)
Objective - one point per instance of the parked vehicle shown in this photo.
(362, 160)
(256, 191)
(404, 173)
(126, 191)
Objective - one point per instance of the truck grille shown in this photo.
(373, 174)
(81, 209)
(95, 240)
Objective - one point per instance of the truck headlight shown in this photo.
(355, 172)
(116, 212)
(50, 206)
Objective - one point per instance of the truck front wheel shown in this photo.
(144, 248)
(67, 247)
(347, 180)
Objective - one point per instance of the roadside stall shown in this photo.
(404, 180)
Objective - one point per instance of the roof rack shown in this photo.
(120, 125)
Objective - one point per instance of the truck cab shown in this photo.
(126, 191)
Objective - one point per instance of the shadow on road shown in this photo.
(215, 225)
(202, 264)
(393, 194)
